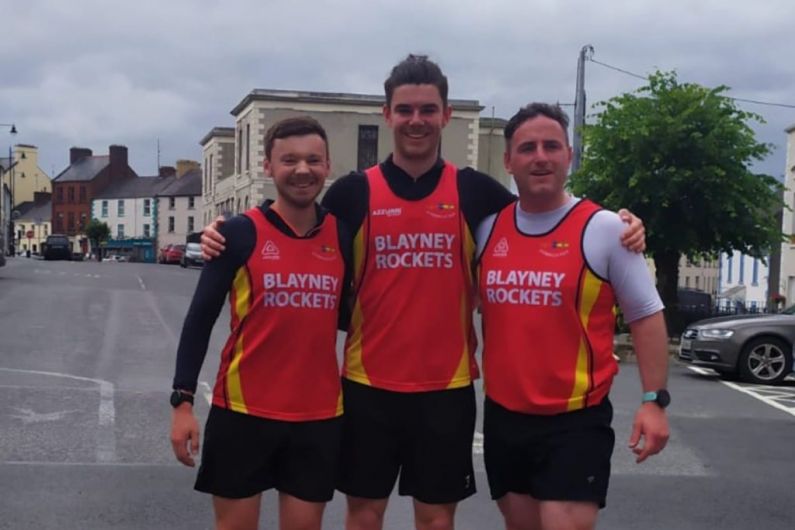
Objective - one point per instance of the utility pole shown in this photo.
(579, 106)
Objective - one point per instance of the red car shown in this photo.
(171, 254)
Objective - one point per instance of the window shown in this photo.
(368, 147)
(58, 223)
(190, 224)
(171, 224)
(120, 208)
(119, 231)
(191, 203)
(70, 221)
(697, 281)
(210, 174)
(82, 194)
(248, 146)
(742, 269)
(146, 230)
(59, 195)
(172, 202)
(729, 262)
(755, 273)
(687, 281)
(70, 194)
(45, 230)
(147, 207)
(104, 208)
(82, 221)
(239, 149)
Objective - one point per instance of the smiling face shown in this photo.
(538, 156)
(299, 166)
(416, 115)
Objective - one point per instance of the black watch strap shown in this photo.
(178, 397)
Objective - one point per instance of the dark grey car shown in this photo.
(757, 348)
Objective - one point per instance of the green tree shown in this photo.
(97, 231)
(679, 155)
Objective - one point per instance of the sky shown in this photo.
(92, 73)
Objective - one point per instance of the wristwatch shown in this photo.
(661, 397)
(179, 397)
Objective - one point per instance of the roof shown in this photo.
(496, 123)
(365, 100)
(84, 169)
(28, 211)
(188, 185)
(132, 188)
(223, 132)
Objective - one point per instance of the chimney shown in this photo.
(184, 166)
(41, 197)
(166, 171)
(78, 153)
(118, 160)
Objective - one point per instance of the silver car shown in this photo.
(192, 255)
(756, 348)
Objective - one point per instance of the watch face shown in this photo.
(178, 398)
(663, 398)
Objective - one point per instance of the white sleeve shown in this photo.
(626, 271)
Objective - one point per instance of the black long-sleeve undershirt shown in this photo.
(480, 195)
(216, 281)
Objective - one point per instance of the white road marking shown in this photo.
(31, 416)
(141, 283)
(207, 392)
(763, 393)
(106, 437)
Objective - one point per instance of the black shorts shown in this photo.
(563, 457)
(426, 437)
(244, 455)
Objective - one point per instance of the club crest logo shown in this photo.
(501, 248)
(556, 249)
(325, 252)
(442, 210)
(270, 250)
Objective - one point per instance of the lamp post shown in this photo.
(10, 228)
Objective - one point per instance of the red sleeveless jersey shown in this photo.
(279, 361)
(548, 319)
(411, 328)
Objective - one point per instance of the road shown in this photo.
(86, 361)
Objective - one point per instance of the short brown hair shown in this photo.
(298, 126)
(416, 70)
(533, 110)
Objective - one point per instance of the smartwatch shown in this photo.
(179, 397)
(661, 397)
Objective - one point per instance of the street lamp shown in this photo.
(10, 170)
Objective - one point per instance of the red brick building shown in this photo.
(75, 187)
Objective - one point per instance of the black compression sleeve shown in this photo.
(208, 299)
(480, 196)
(347, 200)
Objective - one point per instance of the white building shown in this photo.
(234, 179)
(179, 205)
(787, 277)
(743, 282)
(128, 208)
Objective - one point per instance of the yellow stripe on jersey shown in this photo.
(462, 376)
(354, 367)
(591, 286)
(242, 289)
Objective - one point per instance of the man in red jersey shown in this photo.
(551, 271)
(275, 420)
(409, 366)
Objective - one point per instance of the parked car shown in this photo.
(171, 254)
(757, 348)
(57, 246)
(192, 255)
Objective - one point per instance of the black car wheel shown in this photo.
(765, 360)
